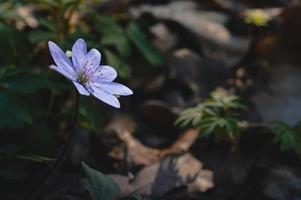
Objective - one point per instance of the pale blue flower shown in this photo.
(86, 73)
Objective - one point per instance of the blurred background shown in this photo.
(215, 112)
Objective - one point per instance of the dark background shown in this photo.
(215, 112)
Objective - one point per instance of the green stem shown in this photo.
(34, 191)
(50, 104)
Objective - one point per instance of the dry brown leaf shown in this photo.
(182, 144)
(138, 153)
(171, 172)
(163, 173)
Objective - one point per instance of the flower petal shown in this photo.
(114, 88)
(60, 58)
(105, 73)
(105, 97)
(93, 57)
(79, 52)
(71, 76)
(81, 89)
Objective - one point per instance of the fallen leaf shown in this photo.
(183, 143)
(170, 173)
(137, 153)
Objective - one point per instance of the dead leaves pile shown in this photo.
(164, 170)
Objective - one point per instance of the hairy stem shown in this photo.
(34, 191)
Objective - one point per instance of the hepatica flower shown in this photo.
(86, 73)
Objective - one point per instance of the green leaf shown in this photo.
(208, 125)
(286, 136)
(8, 72)
(11, 151)
(13, 43)
(114, 61)
(40, 36)
(214, 116)
(35, 158)
(149, 51)
(14, 113)
(101, 187)
(48, 24)
(25, 83)
(90, 116)
(112, 35)
(119, 41)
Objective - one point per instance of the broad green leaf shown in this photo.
(8, 72)
(14, 113)
(113, 35)
(12, 45)
(136, 35)
(106, 21)
(119, 41)
(37, 36)
(24, 84)
(100, 186)
(90, 116)
(114, 61)
(48, 24)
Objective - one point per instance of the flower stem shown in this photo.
(50, 104)
(34, 191)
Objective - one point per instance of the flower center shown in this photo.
(82, 78)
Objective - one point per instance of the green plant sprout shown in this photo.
(289, 138)
(216, 116)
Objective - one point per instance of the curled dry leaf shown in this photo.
(164, 169)
(138, 153)
(171, 172)
(182, 144)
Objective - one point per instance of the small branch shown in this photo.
(33, 192)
